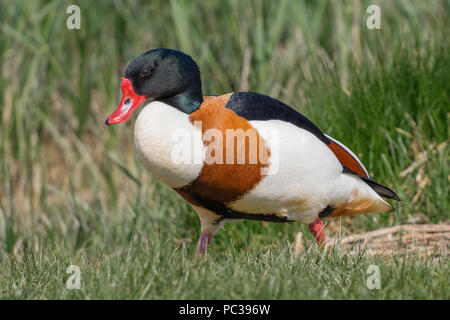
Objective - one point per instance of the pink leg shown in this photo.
(203, 243)
(316, 229)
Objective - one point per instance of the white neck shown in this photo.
(160, 132)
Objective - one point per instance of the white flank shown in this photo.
(309, 177)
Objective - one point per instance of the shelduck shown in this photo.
(193, 143)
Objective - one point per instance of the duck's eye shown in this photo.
(146, 71)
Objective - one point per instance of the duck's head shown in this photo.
(162, 74)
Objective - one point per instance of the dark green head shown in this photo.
(167, 75)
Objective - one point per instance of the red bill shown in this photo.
(130, 102)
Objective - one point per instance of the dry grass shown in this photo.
(421, 240)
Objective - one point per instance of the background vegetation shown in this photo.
(73, 192)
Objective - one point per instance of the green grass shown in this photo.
(73, 192)
(157, 270)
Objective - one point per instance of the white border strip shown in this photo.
(350, 152)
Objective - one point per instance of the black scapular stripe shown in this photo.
(257, 106)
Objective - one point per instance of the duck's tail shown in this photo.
(364, 197)
(383, 191)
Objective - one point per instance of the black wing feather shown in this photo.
(257, 106)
